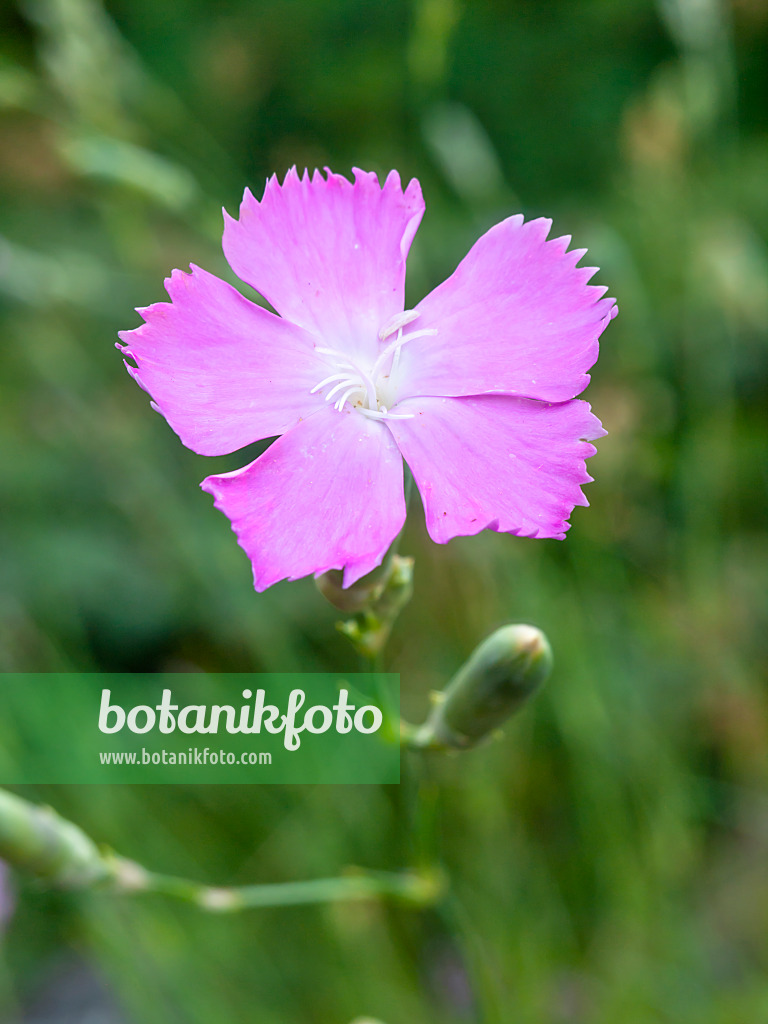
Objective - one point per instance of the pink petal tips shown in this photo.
(475, 388)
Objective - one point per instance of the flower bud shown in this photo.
(369, 631)
(500, 675)
(352, 599)
(37, 840)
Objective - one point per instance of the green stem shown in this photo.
(10, 1010)
(409, 887)
(37, 840)
(483, 978)
(450, 912)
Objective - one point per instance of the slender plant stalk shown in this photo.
(453, 917)
(10, 1010)
(409, 887)
(37, 840)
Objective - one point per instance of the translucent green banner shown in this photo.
(194, 728)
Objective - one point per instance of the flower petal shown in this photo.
(223, 371)
(506, 464)
(326, 495)
(516, 317)
(327, 254)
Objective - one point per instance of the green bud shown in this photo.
(366, 593)
(352, 599)
(369, 630)
(37, 840)
(500, 675)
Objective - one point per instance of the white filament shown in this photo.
(397, 323)
(351, 378)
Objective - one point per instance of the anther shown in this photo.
(398, 321)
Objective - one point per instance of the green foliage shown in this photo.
(609, 853)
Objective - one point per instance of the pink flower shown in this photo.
(474, 388)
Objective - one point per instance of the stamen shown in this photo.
(340, 404)
(398, 321)
(350, 378)
(423, 333)
(344, 383)
(378, 414)
(396, 345)
(331, 352)
(328, 380)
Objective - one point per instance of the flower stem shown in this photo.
(408, 887)
(483, 978)
(37, 840)
(369, 630)
(10, 1010)
(452, 916)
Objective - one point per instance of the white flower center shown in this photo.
(371, 390)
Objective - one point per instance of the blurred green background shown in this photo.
(610, 854)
